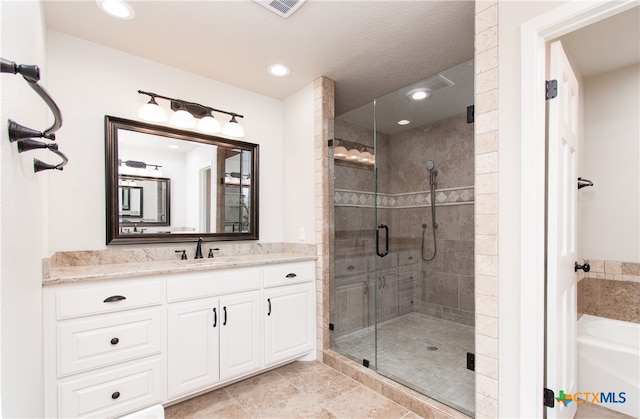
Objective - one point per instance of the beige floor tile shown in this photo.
(295, 369)
(593, 411)
(300, 405)
(327, 383)
(208, 402)
(364, 403)
(232, 411)
(261, 392)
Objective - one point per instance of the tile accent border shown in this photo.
(364, 199)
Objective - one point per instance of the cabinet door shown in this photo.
(240, 334)
(193, 345)
(289, 322)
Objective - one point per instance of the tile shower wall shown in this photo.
(443, 287)
(446, 286)
(611, 289)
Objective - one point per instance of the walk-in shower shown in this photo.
(402, 289)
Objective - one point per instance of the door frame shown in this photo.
(535, 34)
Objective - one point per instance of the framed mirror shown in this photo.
(169, 185)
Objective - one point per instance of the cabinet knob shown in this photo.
(115, 395)
(115, 341)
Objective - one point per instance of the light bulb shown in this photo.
(340, 151)
(353, 154)
(182, 119)
(209, 125)
(232, 128)
(152, 112)
(366, 157)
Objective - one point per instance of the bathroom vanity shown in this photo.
(119, 338)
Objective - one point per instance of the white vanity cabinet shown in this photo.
(215, 338)
(104, 347)
(289, 312)
(116, 346)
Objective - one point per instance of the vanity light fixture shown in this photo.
(140, 168)
(117, 8)
(353, 152)
(190, 115)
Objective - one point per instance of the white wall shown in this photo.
(91, 81)
(611, 159)
(299, 167)
(23, 227)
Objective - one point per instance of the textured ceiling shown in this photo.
(369, 48)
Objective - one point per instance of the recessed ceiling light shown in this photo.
(173, 146)
(116, 8)
(419, 94)
(279, 70)
(404, 122)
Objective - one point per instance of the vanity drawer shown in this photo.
(289, 273)
(205, 284)
(113, 391)
(85, 344)
(83, 301)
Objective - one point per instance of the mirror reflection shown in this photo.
(168, 185)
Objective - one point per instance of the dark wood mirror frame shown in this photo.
(114, 235)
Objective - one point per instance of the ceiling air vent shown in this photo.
(437, 82)
(283, 8)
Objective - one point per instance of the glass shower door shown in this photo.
(352, 285)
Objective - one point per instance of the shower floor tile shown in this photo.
(406, 354)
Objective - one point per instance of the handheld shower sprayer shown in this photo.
(432, 173)
(432, 182)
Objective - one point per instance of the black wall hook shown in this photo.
(583, 183)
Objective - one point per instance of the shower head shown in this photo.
(430, 164)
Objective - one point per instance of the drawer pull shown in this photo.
(115, 395)
(224, 320)
(350, 268)
(269, 301)
(410, 257)
(115, 341)
(291, 275)
(114, 298)
(215, 317)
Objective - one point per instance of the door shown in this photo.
(193, 345)
(240, 334)
(289, 322)
(561, 297)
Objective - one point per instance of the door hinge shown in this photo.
(471, 114)
(471, 361)
(330, 143)
(549, 398)
(331, 326)
(552, 89)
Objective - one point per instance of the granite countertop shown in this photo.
(69, 274)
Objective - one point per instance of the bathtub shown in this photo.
(609, 361)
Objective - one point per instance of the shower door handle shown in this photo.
(386, 240)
